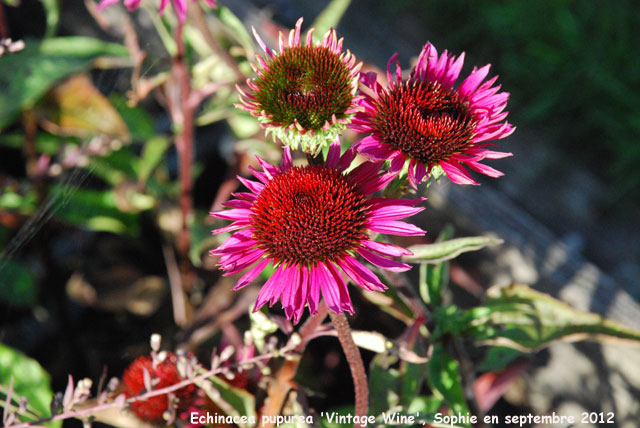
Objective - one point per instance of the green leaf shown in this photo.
(497, 358)
(45, 143)
(95, 210)
(447, 250)
(137, 119)
(444, 377)
(522, 318)
(242, 402)
(435, 277)
(40, 65)
(18, 287)
(152, 155)
(384, 385)
(30, 380)
(23, 204)
(390, 387)
(330, 17)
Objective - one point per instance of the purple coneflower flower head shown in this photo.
(428, 123)
(304, 93)
(311, 223)
(180, 5)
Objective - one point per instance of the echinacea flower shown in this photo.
(180, 5)
(426, 121)
(304, 93)
(162, 374)
(310, 222)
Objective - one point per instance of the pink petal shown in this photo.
(383, 262)
(251, 185)
(484, 169)
(396, 228)
(233, 214)
(313, 298)
(269, 290)
(398, 163)
(360, 274)
(333, 155)
(106, 3)
(240, 224)
(457, 173)
(473, 81)
(343, 293)
(386, 249)
(286, 163)
(394, 212)
(251, 275)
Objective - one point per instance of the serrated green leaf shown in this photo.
(444, 377)
(30, 380)
(40, 65)
(330, 17)
(447, 250)
(18, 287)
(525, 319)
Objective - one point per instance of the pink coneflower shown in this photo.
(426, 121)
(304, 93)
(309, 222)
(180, 5)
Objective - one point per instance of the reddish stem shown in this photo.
(356, 365)
(184, 110)
(4, 28)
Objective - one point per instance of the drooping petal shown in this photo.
(383, 262)
(251, 274)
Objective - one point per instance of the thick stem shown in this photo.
(356, 365)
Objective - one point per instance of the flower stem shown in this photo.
(183, 116)
(356, 365)
(4, 28)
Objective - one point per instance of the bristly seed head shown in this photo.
(424, 120)
(304, 94)
(309, 84)
(308, 215)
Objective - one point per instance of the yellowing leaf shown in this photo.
(77, 108)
